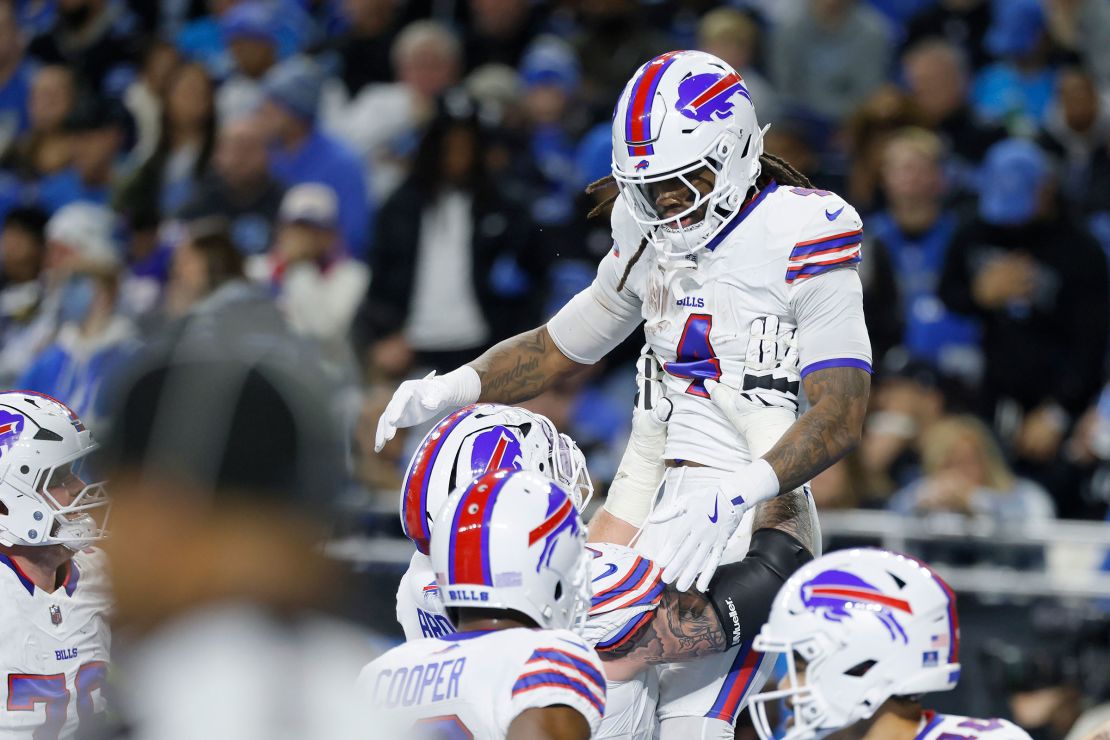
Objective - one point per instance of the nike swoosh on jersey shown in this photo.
(714, 517)
(835, 214)
(610, 569)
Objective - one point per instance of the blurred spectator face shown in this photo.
(962, 447)
(21, 254)
(10, 43)
(189, 98)
(95, 152)
(253, 57)
(1078, 99)
(911, 168)
(76, 13)
(426, 64)
(498, 17)
(965, 458)
(728, 35)
(241, 158)
(369, 16)
(905, 396)
(830, 11)
(300, 240)
(459, 155)
(936, 80)
(277, 123)
(188, 277)
(158, 65)
(546, 104)
(52, 95)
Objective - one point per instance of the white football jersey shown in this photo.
(473, 684)
(54, 650)
(941, 726)
(420, 610)
(790, 252)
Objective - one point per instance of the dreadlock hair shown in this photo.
(771, 168)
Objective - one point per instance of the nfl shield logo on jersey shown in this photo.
(55, 614)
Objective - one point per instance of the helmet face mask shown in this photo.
(81, 510)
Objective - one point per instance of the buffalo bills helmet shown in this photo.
(682, 116)
(869, 624)
(513, 540)
(45, 496)
(479, 438)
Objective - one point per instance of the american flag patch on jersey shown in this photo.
(818, 256)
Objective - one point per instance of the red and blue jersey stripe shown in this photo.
(737, 684)
(468, 558)
(555, 679)
(628, 632)
(414, 493)
(818, 256)
(637, 123)
(562, 657)
(642, 575)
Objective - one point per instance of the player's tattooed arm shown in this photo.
(790, 513)
(522, 367)
(828, 431)
(684, 627)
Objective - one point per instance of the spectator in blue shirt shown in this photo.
(1018, 88)
(914, 232)
(101, 130)
(302, 152)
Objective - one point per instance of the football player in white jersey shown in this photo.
(509, 555)
(709, 234)
(865, 633)
(54, 600)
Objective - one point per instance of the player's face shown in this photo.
(674, 196)
(64, 485)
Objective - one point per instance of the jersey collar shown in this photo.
(69, 584)
(741, 215)
(929, 720)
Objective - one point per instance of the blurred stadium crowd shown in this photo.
(404, 181)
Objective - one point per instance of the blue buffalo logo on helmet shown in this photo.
(11, 426)
(561, 517)
(709, 96)
(496, 449)
(837, 596)
(641, 165)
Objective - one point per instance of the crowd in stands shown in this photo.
(402, 181)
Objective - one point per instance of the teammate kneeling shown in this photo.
(513, 572)
(54, 599)
(865, 633)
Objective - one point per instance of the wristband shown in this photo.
(462, 385)
(753, 483)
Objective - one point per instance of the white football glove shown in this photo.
(417, 401)
(641, 468)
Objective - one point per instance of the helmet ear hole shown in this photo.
(558, 590)
(24, 469)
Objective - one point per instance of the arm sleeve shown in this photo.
(562, 670)
(597, 319)
(831, 328)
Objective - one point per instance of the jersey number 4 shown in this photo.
(26, 691)
(695, 358)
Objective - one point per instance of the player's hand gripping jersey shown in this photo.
(790, 253)
(478, 682)
(53, 651)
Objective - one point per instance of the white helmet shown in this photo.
(870, 624)
(43, 447)
(513, 540)
(479, 438)
(680, 112)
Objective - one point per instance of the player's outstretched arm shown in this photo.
(549, 723)
(513, 370)
(828, 431)
(522, 367)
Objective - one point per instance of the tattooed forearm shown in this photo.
(685, 627)
(522, 367)
(790, 513)
(827, 431)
